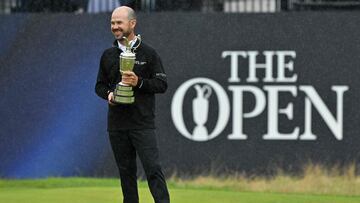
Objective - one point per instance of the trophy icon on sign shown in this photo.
(200, 107)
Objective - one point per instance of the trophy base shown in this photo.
(124, 100)
(123, 94)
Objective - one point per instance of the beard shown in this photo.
(126, 34)
(123, 34)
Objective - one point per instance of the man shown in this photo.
(131, 127)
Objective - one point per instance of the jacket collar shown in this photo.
(115, 44)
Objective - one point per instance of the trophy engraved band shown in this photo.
(123, 93)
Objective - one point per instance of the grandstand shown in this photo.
(231, 6)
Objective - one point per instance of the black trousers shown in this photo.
(125, 144)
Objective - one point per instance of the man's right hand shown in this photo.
(111, 98)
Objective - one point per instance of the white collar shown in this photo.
(123, 47)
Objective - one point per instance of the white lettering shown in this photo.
(238, 113)
(234, 67)
(273, 105)
(335, 125)
(253, 65)
(282, 65)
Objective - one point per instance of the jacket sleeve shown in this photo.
(157, 83)
(102, 87)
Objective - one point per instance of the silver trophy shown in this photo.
(200, 107)
(123, 93)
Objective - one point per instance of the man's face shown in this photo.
(121, 26)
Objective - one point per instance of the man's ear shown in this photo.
(133, 23)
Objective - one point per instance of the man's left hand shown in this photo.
(129, 78)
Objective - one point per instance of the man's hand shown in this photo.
(129, 78)
(111, 98)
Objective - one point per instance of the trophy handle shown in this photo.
(139, 38)
(204, 91)
(207, 91)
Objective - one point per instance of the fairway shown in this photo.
(108, 192)
(111, 195)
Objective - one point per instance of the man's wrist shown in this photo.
(108, 92)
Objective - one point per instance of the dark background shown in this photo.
(53, 124)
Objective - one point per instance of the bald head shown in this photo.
(123, 22)
(125, 10)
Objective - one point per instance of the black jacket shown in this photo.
(152, 79)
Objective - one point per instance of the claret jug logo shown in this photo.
(279, 79)
(200, 108)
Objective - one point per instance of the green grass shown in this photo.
(111, 194)
(91, 190)
(314, 180)
(61, 183)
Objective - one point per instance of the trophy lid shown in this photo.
(129, 46)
